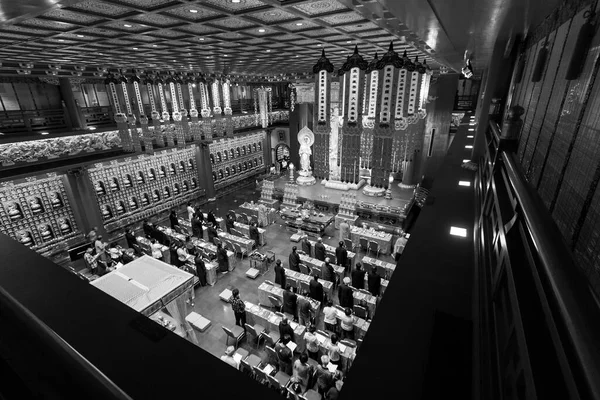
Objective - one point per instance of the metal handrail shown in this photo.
(573, 303)
(78, 366)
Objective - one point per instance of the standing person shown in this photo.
(100, 247)
(156, 249)
(211, 218)
(316, 289)
(312, 343)
(341, 255)
(374, 281)
(173, 254)
(147, 228)
(229, 223)
(130, 238)
(328, 271)
(304, 310)
(347, 324)
(190, 211)
(399, 245)
(324, 377)
(285, 329)
(358, 277)
(200, 269)
(290, 301)
(173, 219)
(334, 392)
(182, 256)
(262, 215)
(222, 259)
(254, 235)
(284, 355)
(302, 370)
(279, 274)
(345, 294)
(344, 231)
(306, 246)
(197, 227)
(239, 309)
(228, 357)
(333, 350)
(212, 233)
(294, 260)
(330, 317)
(320, 250)
(91, 260)
(199, 213)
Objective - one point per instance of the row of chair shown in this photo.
(233, 246)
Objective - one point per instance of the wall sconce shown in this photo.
(582, 46)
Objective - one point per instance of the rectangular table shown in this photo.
(383, 239)
(307, 222)
(313, 262)
(331, 249)
(245, 230)
(145, 245)
(188, 226)
(245, 244)
(265, 290)
(270, 320)
(389, 267)
(299, 276)
(252, 210)
(360, 325)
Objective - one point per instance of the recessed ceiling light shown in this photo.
(154, 45)
(224, 55)
(193, 11)
(470, 137)
(468, 146)
(135, 48)
(472, 124)
(44, 133)
(464, 183)
(268, 50)
(261, 30)
(471, 129)
(272, 13)
(348, 41)
(236, 1)
(465, 160)
(201, 38)
(297, 55)
(455, 231)
(61, 40)
(79, 35)
(127, 26)
(319, 45)
(299, 24)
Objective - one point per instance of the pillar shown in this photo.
(73, 112)
(205, 179)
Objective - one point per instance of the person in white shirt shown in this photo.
(190, 211)
(312, 343)
(400, 244)
(347, 323)
(156, 249)
(228, 357)
(330, 314)
(333, 350)
(182, 256)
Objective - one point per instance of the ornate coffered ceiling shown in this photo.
(257, 37)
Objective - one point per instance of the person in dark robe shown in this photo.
(200, 269)
(130, 238)
(279, 274)
(294, 260)
(290, 301)
(358, 277)
(212, 218)
(147, 228)
(320, 250)
(345, 294)
(199, 214)
(173, 218)
(254, 235)
(328, 271)
(229, 223)
(196, 227)
(306, 246)
(212, 233)
(174, 256)
(341, 255)
(316, 289)
(374, 282)
(222, 258)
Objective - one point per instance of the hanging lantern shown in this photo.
(120, 117)
(146, 136)
(322, 71)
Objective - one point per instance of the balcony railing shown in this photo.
(33, 120)
(539, 322)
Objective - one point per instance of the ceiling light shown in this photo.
(299, 24)
(472, 124)
(127, 26)
(91, 128)
(268, 50)
(135, 48)
(471, 129)
(79, 35)
(455, 231)
(470, 137)
(465, 160)
(201, 38)
(297, 55)
(193, 11)
(44, 133)
(261, 30)
(61, 40)
(154, 45)
(348, 41)
(236, 1)
(464, 183)
(468, 146)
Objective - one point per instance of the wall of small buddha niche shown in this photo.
(50, 212)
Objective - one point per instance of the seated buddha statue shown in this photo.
(36, 205)
(151, 175)
(140, 178)
(55, 200)
(155, 196)
(114, 185)
(46, 232)
(176, 189)
(26, 239)
(167, 193)
(106, 213)
(100, 190)
(120, 208)
(127, 181)
(181, 167)
(14, 211)
(145, 200)
(133, 205)
(65, 226)
(163, 172)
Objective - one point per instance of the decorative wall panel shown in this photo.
(133, 188)
(37, 212)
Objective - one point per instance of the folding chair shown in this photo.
(237, 333)
(363, 244)
(360, 312)
(304, 287)
(276, 303)
(257, 331)
(374, 246)
(348, 343)
(239, 250)
(331, 256)
(271, 355)
(260, 375)
(291, 281)
(349, 245)
(304, 269)
(382, 271)
(271, 339)
(246, 368)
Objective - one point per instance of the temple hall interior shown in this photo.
(299, 199)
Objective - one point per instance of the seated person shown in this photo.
(228, 357)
